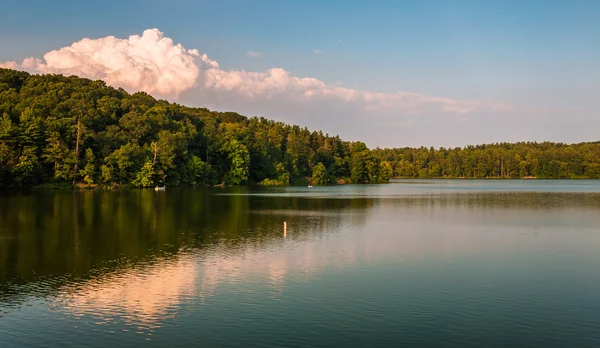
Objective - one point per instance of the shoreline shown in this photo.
(93, 187)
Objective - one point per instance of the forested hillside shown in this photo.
(504, 160)
(57, 129)
(65, 130)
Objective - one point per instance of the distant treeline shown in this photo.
(58, 130)
(504, 160)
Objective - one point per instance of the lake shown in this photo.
(444, 263)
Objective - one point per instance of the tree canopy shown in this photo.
(56, 129)
(504, 160)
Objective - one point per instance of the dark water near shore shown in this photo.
(456, 263)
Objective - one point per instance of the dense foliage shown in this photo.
(63, 130)
(520, 160)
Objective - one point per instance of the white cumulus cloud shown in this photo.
(277, 83)
(151, 62)
(10, 65)
(155, 64)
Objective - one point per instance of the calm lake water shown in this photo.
(418, 263)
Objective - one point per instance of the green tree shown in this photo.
(48, 120)
(89, 169)
(283, 175)
(106, 174)
(144, 178)
(385, 171)
(197, 171)
(60, 157)
(27, 167)
(319, 175)
(127, 161)
(240, 162)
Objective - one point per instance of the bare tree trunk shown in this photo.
(77, 150)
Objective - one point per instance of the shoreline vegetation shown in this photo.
(84, 186)
(65, 132)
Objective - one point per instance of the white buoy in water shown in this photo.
(284, 229)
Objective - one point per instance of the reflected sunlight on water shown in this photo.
(143, 296)
(258, 267)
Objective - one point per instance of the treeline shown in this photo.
(504, 160)
(58, 130)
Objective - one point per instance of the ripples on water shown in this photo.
(449, 264)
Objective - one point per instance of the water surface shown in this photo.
(452, 263)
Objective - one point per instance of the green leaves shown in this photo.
(240, 162)
(27, 167)
(197, 171)
(144, 177)
(319, 175)
(385, 171)
(126, 162)
(138, 141)
(89, 170)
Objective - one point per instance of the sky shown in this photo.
(389, 73)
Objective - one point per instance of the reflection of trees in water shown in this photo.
(48, 239)
(52, 238)
(504, 200)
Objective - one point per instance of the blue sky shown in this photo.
(542, 55)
